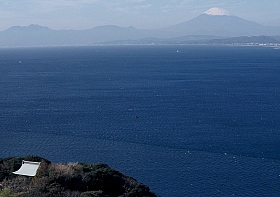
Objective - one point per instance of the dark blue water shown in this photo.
(201, 122)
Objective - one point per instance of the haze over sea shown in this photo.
(185, 120)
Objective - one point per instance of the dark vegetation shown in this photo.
(67, 180)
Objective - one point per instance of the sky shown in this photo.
(141, 14)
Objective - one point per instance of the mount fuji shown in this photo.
(220, 22)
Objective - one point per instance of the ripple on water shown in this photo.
(166, 170)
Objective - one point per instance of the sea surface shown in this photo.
(185, 120)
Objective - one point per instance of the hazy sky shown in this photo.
(144, 14)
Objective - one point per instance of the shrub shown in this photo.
(6, 193)
(93, 194)
(141, 190)
(102, 177)
(69, 180)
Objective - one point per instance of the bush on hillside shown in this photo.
(71, 180)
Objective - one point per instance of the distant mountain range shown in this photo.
(213, 26)
(200, 39)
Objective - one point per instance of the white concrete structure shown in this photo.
(28, 168)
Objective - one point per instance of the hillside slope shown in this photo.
(70, 180)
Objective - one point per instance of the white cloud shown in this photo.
(133, 8)
(128, 6)
(137, 1)
(50, 5)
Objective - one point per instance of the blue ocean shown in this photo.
(185, 120)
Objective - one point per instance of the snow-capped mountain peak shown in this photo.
(217, 12)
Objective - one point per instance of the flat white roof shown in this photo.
(28, 168)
